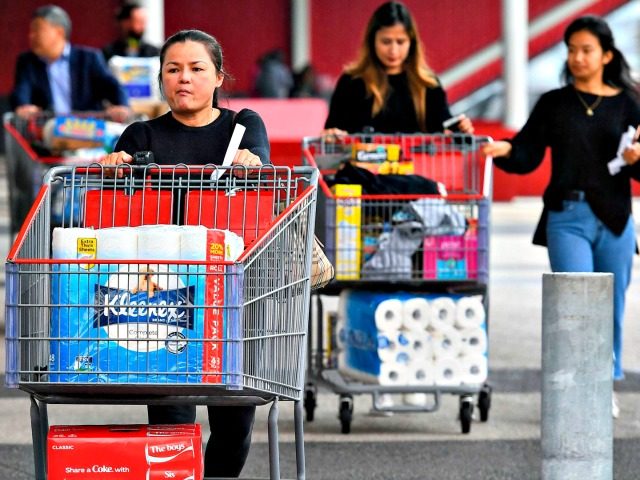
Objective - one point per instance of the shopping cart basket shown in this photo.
(421, 233)
(239, 326)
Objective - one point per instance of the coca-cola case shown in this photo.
(125, 452)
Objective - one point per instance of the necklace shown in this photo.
(589, 108)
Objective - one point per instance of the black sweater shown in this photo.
(350, 107)
(581, 146)
(173, 142)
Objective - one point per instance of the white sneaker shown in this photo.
(615, 408)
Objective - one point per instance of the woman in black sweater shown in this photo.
(196, 131)
(586, 223)
(390, 87)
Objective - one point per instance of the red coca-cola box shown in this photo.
(124, 452)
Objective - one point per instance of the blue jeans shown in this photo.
(579, 242)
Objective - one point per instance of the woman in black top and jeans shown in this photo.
(196, 131)
(390, 87)
(586, 223)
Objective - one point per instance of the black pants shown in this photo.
(230, 440)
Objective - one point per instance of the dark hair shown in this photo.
(124, 12)
(617, 72)
(56, 15)
(210, 44)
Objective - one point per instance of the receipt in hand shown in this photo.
(626, 139)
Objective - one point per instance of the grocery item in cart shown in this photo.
(401, 338)
(127, 322)
(125, 452)
(348, 231)
(380, 158)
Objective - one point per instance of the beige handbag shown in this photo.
(322, 271)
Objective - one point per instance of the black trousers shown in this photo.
(230, 439)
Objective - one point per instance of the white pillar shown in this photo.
(300, 34)
(514, 38)
(154, 33)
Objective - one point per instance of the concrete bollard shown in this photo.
(577, 376)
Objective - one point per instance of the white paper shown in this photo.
(626, 139)
(232, 149)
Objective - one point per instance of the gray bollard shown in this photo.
(577, 376)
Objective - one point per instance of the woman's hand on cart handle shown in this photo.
(247, 159)
(115, 159)
(465, 125)
(27, 111)
(497, 149)
(331, 135)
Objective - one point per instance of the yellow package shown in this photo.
(348, 231)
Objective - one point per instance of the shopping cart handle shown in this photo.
(143, 158)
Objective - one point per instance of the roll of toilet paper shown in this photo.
(418, 344)
(416, 313)
(469, 312)
(392, 373)
(388, 315)
(159, 242)
(117, 243)
(193, 243)
(393, 347)
(422, 373)
(448, 372)
(474, 341)
(443, 309)
(446, 343)
(473, 368)
(66, 243)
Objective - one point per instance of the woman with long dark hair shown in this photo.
(390, 87)
(586, 222)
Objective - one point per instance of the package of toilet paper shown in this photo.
(144, 322)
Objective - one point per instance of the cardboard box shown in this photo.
(382, 159)
(348, 231)
(124, 452)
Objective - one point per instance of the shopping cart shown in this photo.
(29, 157)
(386, 239)
(245, 344)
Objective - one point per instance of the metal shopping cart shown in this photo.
(240, 326)
(29, 157)
(424, 235)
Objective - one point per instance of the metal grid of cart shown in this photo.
(262, 316)
(392, 244)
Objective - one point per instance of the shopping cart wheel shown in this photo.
(466, 412)
(346, 413)
(484, 402)
(310, 401)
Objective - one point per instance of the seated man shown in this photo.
(57, 76)
(132, 20)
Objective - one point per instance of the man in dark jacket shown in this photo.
(57, 76)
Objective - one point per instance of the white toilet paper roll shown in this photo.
(443, 309)
(117, 243)
(159, 242)
(422, 373)
(392, 373)
(418, 345)
(474, 341)
(448, 372)
(193, 243)
(446, 343)
(416, 313)
(473, 369)
(469, 312)
(388, 315)
(64, 243)
(393, 347)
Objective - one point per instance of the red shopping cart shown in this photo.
(420, 238)
(232, 331)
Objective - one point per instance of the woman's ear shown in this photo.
(607, 57)
(219, 80)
